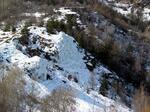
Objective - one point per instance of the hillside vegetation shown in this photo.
(95, 47)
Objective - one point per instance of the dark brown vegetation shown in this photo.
(124, 59)
(127, 60)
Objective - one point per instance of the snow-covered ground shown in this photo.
(71, 60)
(36, 14)
(59, 57)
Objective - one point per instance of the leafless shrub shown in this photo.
(141, 102)
(61, 100)
(11, 92)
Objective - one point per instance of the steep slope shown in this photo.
(49, 61)
(65, 66)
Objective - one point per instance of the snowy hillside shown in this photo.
(125, 8)
(60, 61)
(79, 48)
